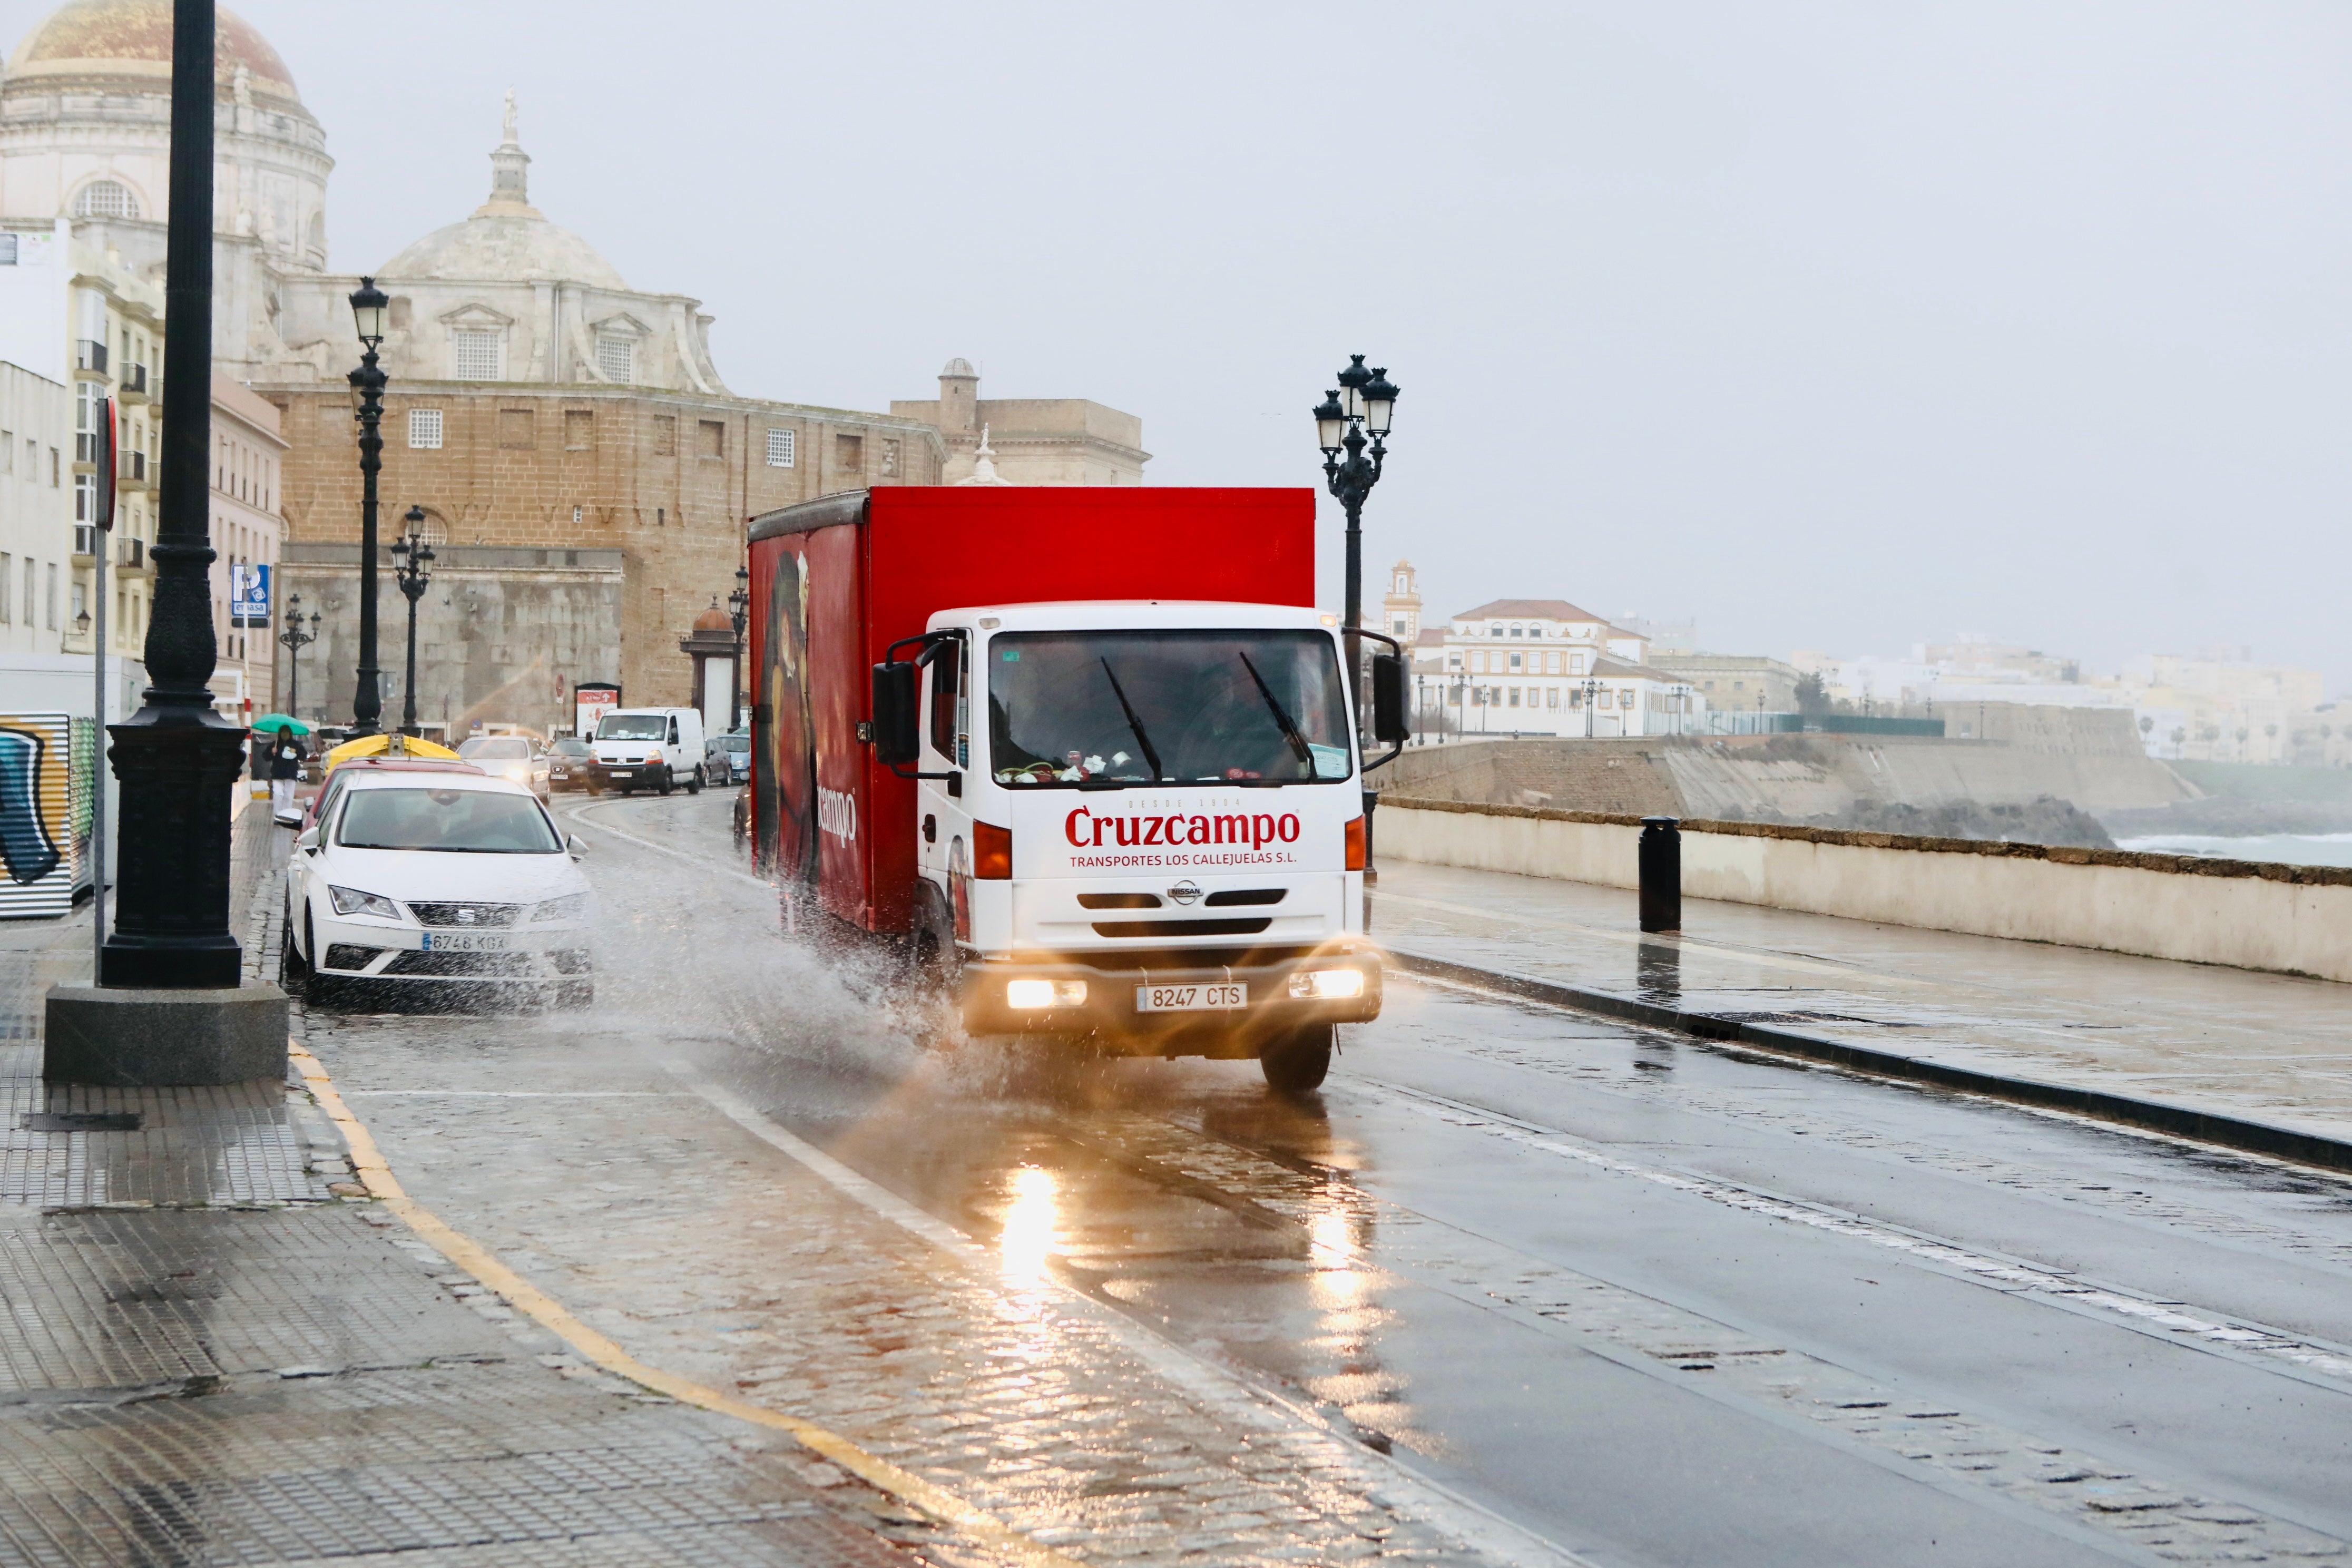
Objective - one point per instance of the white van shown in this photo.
(650, 748)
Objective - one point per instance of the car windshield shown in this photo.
(633, 727)
(494, 748)
(735, 743)
(482, 822)
(1169, 707)
(572, 748)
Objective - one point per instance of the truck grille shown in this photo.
(476, 916)
(1246, 926)
(1231, 897)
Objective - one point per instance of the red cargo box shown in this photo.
(835, 581)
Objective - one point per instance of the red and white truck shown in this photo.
(1090, 753)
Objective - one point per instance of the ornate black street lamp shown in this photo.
(1363, 402)
(370, 305)
(413, 555)
(738, 612)
(295, 639)
(177, 758)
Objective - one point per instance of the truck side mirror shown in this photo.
(1388, 723)
(893, 731)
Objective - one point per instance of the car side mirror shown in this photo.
(1389, 726)
(893, 730)
(576, 845)
(308, 840)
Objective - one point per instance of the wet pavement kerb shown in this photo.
(2243, 1061)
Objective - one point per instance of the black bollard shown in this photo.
(1662, 873)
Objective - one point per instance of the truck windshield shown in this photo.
(1166, 707)
(633, 727)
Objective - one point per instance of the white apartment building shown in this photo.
(1543, 667)
(36, 534)
(249, 459)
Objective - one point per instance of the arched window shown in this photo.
(105, 198)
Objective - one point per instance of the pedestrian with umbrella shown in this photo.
(285, 764)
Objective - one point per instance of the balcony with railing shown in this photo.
(90, 355)
(135, 467)
(131, 553)
(133, 385)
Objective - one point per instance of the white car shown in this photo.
(434, 880)
(515, 757)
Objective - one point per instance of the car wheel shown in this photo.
(668, 781)
(292, 967)
(1296, 1062)
(318, 990)
(693, 784)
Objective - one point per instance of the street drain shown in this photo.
(81, 1121)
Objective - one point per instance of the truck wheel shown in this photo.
(669, 781)
(693, 784)
(1296, 1062)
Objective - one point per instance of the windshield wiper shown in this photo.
(1289, 730)
(1133, 723)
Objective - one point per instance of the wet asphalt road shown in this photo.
(1655, 1301)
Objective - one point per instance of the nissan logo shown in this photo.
(1183, 892)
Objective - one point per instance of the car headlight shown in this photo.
(1328, 984)
(570, 906)
(1028, 995)
(352, 902)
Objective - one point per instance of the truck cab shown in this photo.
(1141, 823)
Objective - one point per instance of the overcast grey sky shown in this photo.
(1838, 325)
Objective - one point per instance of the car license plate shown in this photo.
(1189, 998)
(618, 772)
(464, 941)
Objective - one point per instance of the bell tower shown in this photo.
(1401, 606)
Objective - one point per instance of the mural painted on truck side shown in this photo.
(786, 806)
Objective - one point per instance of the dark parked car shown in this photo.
(727, 759)
(571, 765)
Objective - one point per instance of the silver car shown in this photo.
(727, 759)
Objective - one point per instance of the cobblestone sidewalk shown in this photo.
(211, 1353)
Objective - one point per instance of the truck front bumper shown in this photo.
(1103, 999)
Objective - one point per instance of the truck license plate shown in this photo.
(464, 941)
(1189, 998)
(618, 772)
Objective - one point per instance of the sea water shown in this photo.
(2292, 848)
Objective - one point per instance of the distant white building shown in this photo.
(1541, 666)
(36, 534)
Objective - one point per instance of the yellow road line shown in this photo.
(483, 1265)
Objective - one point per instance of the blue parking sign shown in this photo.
(248, 595)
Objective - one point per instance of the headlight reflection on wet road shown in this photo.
(1032, 1226)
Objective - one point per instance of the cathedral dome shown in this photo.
(507, 240)
(503, 248)
(119, 40)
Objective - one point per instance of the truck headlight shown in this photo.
(1031, 995)
(1326, 984)
(352, 902)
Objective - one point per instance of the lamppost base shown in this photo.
(158, 1038)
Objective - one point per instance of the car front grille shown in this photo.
(476, 916)
(481, 965)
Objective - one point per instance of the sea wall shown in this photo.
(2294, 920)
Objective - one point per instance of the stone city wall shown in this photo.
(2294, 920)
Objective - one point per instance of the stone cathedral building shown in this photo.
(584, 471)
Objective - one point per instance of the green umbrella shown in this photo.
(280, 722)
